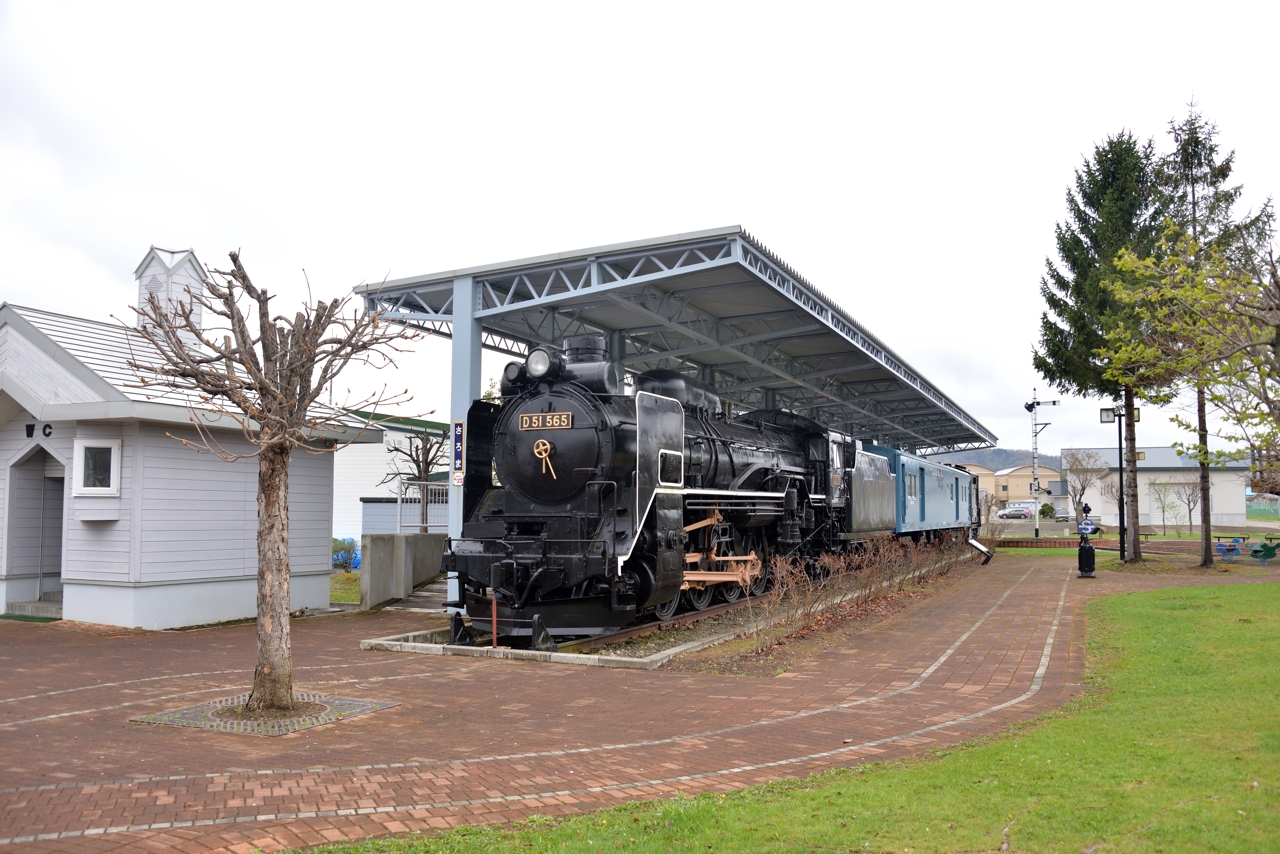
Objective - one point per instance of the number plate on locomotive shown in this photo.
(546, 420)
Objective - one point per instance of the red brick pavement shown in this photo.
(481, 740)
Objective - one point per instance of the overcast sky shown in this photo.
(910, 160)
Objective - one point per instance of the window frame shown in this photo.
(78, 490)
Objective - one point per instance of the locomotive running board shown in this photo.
(983, 549)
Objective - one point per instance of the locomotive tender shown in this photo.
(615, 502)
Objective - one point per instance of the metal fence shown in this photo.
(420, 494)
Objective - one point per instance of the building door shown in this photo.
(36, 489)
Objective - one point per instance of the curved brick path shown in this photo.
(486, 740)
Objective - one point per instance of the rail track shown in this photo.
(685, 619)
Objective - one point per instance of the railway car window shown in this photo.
(837, 457)
(817, 448)
(670, 468)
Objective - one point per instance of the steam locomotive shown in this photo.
(588, 503)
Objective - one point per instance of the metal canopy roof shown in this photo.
(713, 304)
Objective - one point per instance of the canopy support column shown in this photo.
(463, 389)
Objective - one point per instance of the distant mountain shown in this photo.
(1000, 458)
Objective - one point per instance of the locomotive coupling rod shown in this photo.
(712, 519)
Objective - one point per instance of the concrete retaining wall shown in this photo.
(392, 565)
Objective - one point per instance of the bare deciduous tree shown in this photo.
(1187, 491)
(416, 459)
(263, 373)
(1160, 496)
(1109, 488)
(989, 503)
(1081, 469)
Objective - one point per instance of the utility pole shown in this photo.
(1033, 408)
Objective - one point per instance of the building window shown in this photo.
(1004, 488)
(96, 468)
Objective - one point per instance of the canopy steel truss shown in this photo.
(714, 304)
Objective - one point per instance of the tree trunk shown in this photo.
(273, 677)
(1206, 523)
(1131, 478)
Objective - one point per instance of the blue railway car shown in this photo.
(930, 496)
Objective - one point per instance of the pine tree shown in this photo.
(1113, 206)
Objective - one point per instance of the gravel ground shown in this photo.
(646, 645)
(737, 621)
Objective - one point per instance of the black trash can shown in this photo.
(1086, 558)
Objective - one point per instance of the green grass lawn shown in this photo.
(344, 587)
(1022, 551)
(1177, 748)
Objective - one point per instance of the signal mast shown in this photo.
(1033, 406)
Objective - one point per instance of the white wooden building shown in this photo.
(1159, 469)
(360, 477)
(105, 510)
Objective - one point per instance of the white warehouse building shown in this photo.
(106, 513)
(1159, 469)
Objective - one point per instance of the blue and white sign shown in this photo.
(1087, 526)
(459, 453)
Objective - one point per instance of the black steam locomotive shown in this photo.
(615, 502)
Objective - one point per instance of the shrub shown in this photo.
(344, 554)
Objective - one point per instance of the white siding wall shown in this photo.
(1226, 490)
(200, 513)
(310, 512)
(358, 471)
(99, 551)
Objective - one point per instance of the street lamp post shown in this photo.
(1106, 415)
(1033, 407)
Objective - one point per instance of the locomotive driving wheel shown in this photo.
(760, 546)
(699, 598)
(668, 609)
(731, 592)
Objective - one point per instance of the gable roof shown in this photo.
(1009, 471)
(1165, 458)
(59, 367)
(171, 259)
(106, 350)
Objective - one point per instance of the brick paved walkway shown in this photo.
(486, 740)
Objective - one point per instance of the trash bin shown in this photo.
(1085, 558)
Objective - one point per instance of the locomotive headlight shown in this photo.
(539, 363)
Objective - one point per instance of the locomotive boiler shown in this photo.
(589, 501)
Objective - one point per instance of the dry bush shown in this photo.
(800, 593)
(769, 603)
(993, 528)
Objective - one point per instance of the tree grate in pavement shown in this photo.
(201, 716)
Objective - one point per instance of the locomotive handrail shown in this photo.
(610, 517)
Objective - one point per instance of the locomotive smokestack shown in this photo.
(586, 348)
